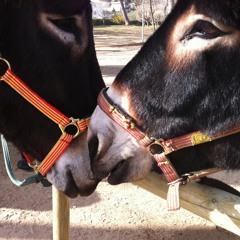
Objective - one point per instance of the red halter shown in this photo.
(160, 148)
(52, 113)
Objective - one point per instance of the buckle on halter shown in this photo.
(71, 128)
(34, 165)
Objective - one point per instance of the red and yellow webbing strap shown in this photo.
(59, 148)
(193, 139)
(55, 153)
(52, 113)
(83, 124)
(19, 86)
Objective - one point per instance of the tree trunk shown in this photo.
(125, 16)
(151, 12)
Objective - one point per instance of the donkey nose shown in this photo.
(99, 145)
(93, 144)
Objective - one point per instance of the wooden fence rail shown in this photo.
(217, 206)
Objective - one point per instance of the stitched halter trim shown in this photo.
(52, 113)
(160, 148)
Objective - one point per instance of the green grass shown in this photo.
(122, 29)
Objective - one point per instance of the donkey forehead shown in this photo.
(224, 11)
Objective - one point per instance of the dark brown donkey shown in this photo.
(50, 47)
(181, 89)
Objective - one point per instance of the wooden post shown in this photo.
(217, 206)
(61, 215)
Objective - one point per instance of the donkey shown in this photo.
(49, 46)
(183, 82)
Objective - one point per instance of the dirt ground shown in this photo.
(112, 212)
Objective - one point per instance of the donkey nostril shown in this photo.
(93, 147)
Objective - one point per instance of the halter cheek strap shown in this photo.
(65, 124)
(160, 149)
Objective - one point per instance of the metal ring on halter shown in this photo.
(155, 147)
(72, 128)
(7, 64)
(6, 61)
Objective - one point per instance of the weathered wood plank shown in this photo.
(217, 206)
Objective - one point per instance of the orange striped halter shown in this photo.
(160, 149)
(70, 127)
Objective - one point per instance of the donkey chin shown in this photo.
(128, 171)
(72, 173)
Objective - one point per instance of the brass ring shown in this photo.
(6, 61)
(73, 122)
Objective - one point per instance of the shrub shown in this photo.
(99, 22)
(118, 19)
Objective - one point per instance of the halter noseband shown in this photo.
(160, 148)
(70, 127)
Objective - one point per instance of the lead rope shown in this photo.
(29, 180)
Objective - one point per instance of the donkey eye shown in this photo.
(203, 29)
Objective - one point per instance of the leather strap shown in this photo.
(160, 148)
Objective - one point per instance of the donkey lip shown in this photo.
(85, 188)
(116, 173)
(88, 191)
(102, 171)
(73, 191)
(118, 166)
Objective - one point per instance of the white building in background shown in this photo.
(102, 9)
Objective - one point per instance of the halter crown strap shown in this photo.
(48, 110)
(52, 113)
